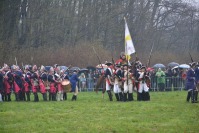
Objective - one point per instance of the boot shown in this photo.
(147, 96)
(24, 96)
(64, 96)
(5, 97)
(9, 98)
(117, 96)
(125, 97)
(28, 96)
(196, 96)
(16, 99)
(139, 96)
(121, 96)
(36, 98)
(73, 98)
(54, 97)
(130, 97)
(192, 96)
(50, 96)
(188, 96)
(20, 96)
(2, 97)
(110, 95)
(44, 96)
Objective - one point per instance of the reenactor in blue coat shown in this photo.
(73, 80)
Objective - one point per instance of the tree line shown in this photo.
(35, 28)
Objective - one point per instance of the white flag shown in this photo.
(129, 47)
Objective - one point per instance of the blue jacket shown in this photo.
(197, 74)
(18, 78)
(73, 80)
(190, 80)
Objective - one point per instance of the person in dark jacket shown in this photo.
(73, 80)
(190, 83)
(197, 81)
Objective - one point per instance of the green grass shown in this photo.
(166, 112)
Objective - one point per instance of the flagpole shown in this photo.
(126, 54)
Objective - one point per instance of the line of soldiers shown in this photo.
(123, 78)
(22, 83)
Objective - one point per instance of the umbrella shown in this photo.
(101, 65)
(91, 68)
(63, 68)
(47, 68)
(159, 66)
(184, 66)
(83, 70)
(173, 64)
(175, 67)
(74, 68)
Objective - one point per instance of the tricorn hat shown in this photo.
(143, 67)
(192, 64)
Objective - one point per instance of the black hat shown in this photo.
(143, 67)
(192, 64)
(125, 64)
(108, 63)
(118, 65)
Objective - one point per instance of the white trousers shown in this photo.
(117, 88)
(143, 86)
(108, 87)
(128, 88)
(60, 95)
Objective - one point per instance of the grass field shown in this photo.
(166, 112)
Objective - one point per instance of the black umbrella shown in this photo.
(173, 64)
(91, 68)
(83, 70)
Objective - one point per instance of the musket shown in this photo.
(191, 57)
(148, 62)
